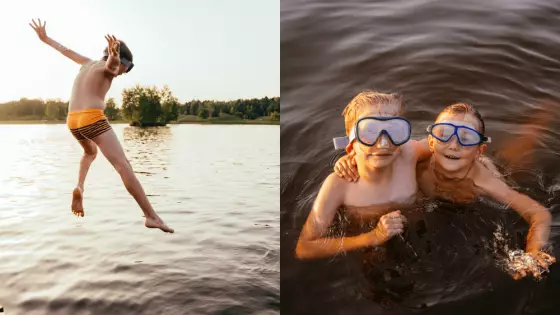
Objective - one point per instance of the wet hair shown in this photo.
(370, 98)
(125, 52)
(463, 108)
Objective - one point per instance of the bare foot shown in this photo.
(157, 223)
(77, 206)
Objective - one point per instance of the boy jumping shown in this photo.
(88, 124)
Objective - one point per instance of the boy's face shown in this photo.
(451, 155)
(383, 153)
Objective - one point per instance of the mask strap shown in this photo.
(340, 143)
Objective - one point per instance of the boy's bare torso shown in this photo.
(425, 179)
(424, 171)
(90, 87)
(364, 199)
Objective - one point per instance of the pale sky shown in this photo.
(203, 49)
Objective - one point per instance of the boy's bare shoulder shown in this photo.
(408, 150)
(483, 174)
(333, 188)
(99, 65)
(487, 163)
(93, 67)
(99, 69)
(333, 181)
(91, 63)
(336, 186)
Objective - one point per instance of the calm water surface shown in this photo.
(217, 186)
(501, 56)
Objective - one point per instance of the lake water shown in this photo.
(501, 56)
(217, 186)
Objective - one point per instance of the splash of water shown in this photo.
(514, 261)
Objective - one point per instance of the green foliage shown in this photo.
(34, 109)
(111, 110)
(142, 106)
(148, 106)
(242, 108)
(170, 105)
(202, 113)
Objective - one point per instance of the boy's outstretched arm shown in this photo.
(42, 33)
(312, 242)
(538, 217)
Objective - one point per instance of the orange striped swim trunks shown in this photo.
(87, 124)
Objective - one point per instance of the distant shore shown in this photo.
(190, 122)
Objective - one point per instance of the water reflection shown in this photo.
(107, 262)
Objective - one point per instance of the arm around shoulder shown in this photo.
(422, 149)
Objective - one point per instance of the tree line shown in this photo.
(241, 108)
(146, 106)
(34, 109)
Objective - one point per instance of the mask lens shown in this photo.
(443, 132)
(468, 137)
(398, 130)
(368, 131)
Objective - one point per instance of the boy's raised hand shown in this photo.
(114, 45)
(40, 29)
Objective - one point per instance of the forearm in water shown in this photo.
(539, 231)
(324, 247)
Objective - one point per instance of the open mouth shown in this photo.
(452, 157)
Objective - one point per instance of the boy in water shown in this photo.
(458, 173)
(386, 161)
(90, 127)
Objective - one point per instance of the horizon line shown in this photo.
(193, 99)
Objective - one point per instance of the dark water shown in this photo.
(501, 56)
(217, 186)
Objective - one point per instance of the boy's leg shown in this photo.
(90, 152)
(113, 151)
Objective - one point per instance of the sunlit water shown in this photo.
(217, 186)
(501, 56)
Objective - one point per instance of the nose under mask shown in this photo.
(383, 142)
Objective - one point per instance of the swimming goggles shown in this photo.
(466, 136)
(128, 64)
(368, 130)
